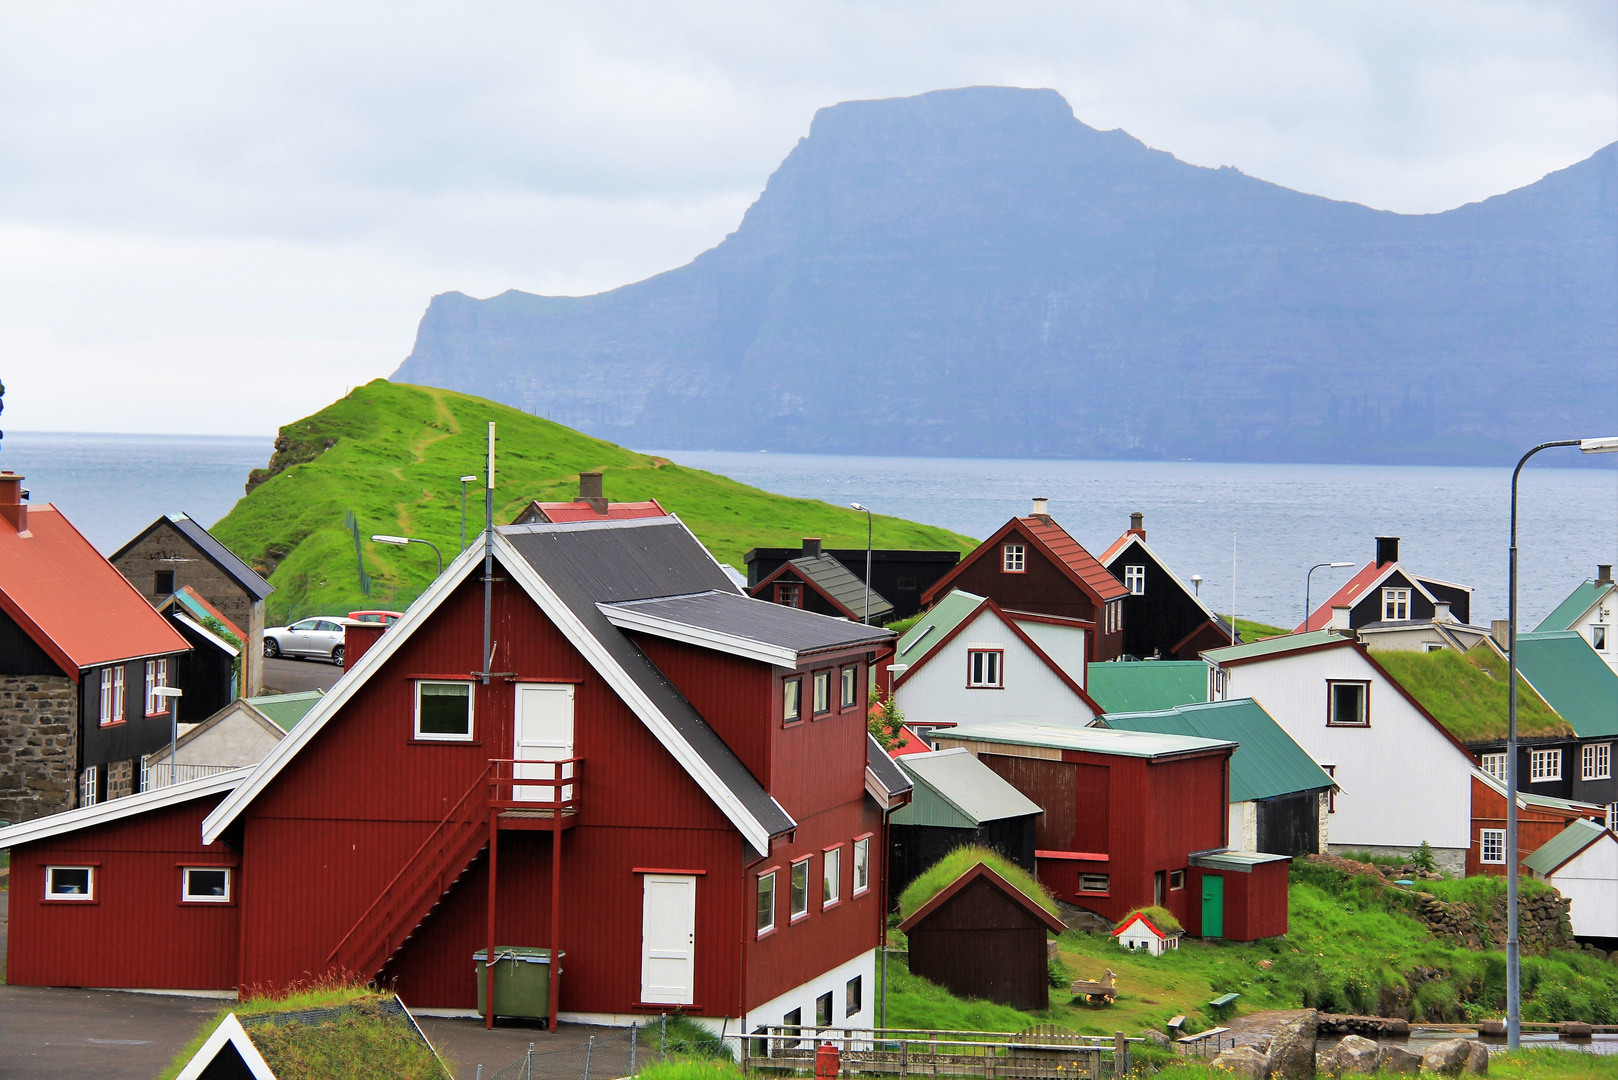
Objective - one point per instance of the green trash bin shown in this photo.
(522, 981)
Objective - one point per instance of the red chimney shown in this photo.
(357, 638)
(12, 507)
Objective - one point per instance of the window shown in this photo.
(786, 593)
(1346, 704)
(792, 700)
(1494, 765)
(907, 584)
(822, 703)
(1135, 580)
(112, 695)
(851, 684)
(1544, 765)
(1011, 560)
(793, 1023)
(853, 996)
(766, 902)
(862, 865)
(163, 582)
(800, 889)
(1596, 761)
(70, 883)
(90, 786)
(831, 877)
(206, 885)
(983, 668)
(1176, 880)
(1598, 637)
(444, 711)
(1432, 646)
(1494, 846)
(1395, 605)
(157, 677)
(823, 1010)
(1612, 815)
(1094, 882)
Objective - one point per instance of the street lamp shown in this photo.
(857, 506)
(172, 696)
(465, 480)
(1196, 584)
(1306, 577)
(1513, 971)
(401, 541)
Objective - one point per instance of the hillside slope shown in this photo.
(392, 455)
(976, 273)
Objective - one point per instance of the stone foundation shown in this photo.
(38, 745)
(1446, 860)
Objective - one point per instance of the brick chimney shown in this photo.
(1604, 573)
(1387, 550)
(1042, 510)
(1137, 524)
(811, 547)
(590, 491)
(12, 507)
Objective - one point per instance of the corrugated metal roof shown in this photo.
(227, 560)
(1242, 862)
(1267, 761)
(1147, 686)
(892, 778)
(72, 601)
(1528, 798)
(839, 583)
(935, 624)
(285, 710)
(1564, 845)
(956, 790)
(1072, 553)
(1579, 601)
(1275, 646)
(1564, 670)
(198, 605)
(1086, 739)
(758, 620)
(560, 512)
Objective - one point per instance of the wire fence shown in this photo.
(605, 1057)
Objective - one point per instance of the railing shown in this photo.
(547, 787)
(163, 773)
(904, 1052)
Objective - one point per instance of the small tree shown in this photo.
(1423, 858)
(886, 722)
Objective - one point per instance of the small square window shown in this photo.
(862, 865)
(822, 684)
(1346, 702)
(1494, 765)
(206, 885)
(831, 877)
(1135, 580)
(850, 685)
(444, 711)
(1596, 761)
(823, 1010)
(983, 668)
(792, 700)
(1598, 637)
(766, 902)
(70, 883)
(853, 996)
(800, 889)
(163, 582)
(1012, 559)
(1176, 880)
(1095, 883)
(1544, 765)
(1494, 846)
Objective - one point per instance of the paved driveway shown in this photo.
(294, 676)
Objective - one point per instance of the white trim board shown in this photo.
(230, 1031)
(625, 617)
(86, 817)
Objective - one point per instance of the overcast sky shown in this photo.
(217, 217)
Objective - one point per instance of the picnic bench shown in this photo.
(1222, 1000)
(1104, 989)
(1198, 1043)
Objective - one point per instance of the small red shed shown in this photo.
(1237, 895)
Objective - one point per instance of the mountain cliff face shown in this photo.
(976, 273)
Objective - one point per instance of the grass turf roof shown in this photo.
(938, 877)
(1467, 694)
(1160, 917)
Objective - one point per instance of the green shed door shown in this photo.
(1213, 905)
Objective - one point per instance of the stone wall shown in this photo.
(1543, 922)
(38, 745)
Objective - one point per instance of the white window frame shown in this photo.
(1612, 815)
(1095, 883)
(1135, 579)
(849, 687)
(820, 705)
(1595, 761)
(767, 876)
(157, 675)
(1492, 840)
(1395, 605)
(1544, 766)
(831, 877)
(77, 898)
(862, 865)
(1331, 703)
(792, 700)
(854, 996)
(189, 897)
(471, 712)
(1014, 559)
(1494, 765)
(112, 695)
(1598, 637)
(794, 913)
(990, 673)
(89, 786)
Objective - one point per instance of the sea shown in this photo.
(1249, 531)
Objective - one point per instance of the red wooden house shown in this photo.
(1540, 818)
(664, 780)
(1031, 564)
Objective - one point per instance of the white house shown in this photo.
(1139, 932)
(1592, 610)
(1581, 863)
(242, 733)
(969, 662)
(1402, 778)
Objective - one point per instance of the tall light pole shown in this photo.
(171, 695)
(857, 506)
(1306, 577)
(465, 480)
(401, 541)
(1513, 955)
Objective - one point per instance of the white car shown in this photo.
(318, 637)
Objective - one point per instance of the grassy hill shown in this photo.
(1467, 694)
(392, 455)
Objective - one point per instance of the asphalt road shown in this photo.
(292, 676)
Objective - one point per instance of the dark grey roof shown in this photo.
(736, 616)
(613, 561)
(887, 772)
(218, 553)
(838, 582)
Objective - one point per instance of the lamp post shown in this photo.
(465, 480)
(401, 541)
(1306, 577)
(1513, 955)
(172, 695)
(857, 506)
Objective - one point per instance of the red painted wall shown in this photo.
(1255, 903)
(1535, 826)
(136, 933)
(733, 694)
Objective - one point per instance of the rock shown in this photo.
(1247, 1063)
(1446, 1058)
(1325, 1064)
(1477, 1060)
(1396, 1059)
(1292, 1047)
(1157, 1038)
(1492, 1027)
(1355, 1055)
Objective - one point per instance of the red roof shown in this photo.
(71, 601)
(1141, 917)
(1353, 590)
(561, 512)
(914, 743)
(1074, 557)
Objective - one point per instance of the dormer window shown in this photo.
(786, 593)
(1135, 580)
(1395, 605)
(1012, 559)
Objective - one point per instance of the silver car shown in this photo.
(318, 637)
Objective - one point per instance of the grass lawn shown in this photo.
(1249, 630)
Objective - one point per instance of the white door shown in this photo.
(668, 937)
(543, 732)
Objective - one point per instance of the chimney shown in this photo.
(1339, 619)
(358, 637)
(1137, 524)
(1387, 550)
(12, 507)
(1441, 611)
(590, 491)
(811, 547)
(1042, 511)
(1604, 573)
(1500, 630)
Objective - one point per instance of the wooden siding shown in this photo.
(1289, 824)
(21, 655)
(138, 734)
(136, 933)
(1054, 786)
(814, 759)
(733, 694)
(913, 848)
(1159, 619)
(980, 943)
(1535, 826)
(1255, 903)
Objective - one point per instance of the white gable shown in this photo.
(1589, 880)
(1063, 644)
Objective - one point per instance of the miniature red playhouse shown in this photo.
(667, 782)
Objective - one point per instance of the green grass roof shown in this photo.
(1576, 682)
(1148, 685)
(938, 877)
(1467, 694)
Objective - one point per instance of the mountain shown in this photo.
(976, 273)
(392, 455)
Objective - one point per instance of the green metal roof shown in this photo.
(1274, 646)
(1579, 601)
(935, 624)
(1562, 667)
(286, 710)
(956, 790)
(1242, 862)
(1267, 762)
(1528, 798)
(1087, 739)
(1147, 685)
(1564, 845)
